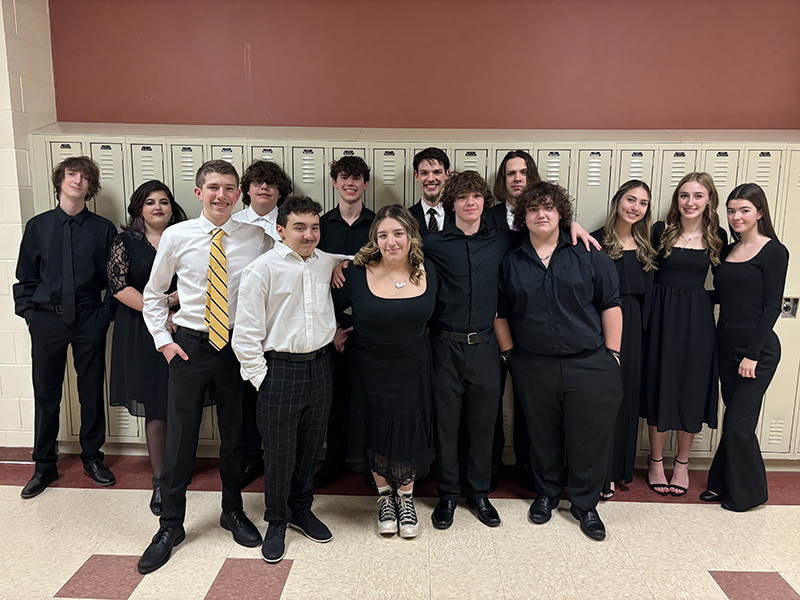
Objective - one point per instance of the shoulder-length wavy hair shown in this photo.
(135, 224)
(539, 193)
(753, 193)
(645, 253)
(370, 254)
(672, 231)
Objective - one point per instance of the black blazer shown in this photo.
(419, 214)
(495, 216)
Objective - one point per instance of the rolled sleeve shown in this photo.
(250, 330)
(606, 288)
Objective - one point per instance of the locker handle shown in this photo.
(471, 153)
(66, 146)
(722, 154)
(638, 154)
(348, 153)
(105, 147)
(146, 148)
(679, 155)
(553, 153)
(308, 151)
(388, 152)
(187, 149)
(765, 154)
(594, 154)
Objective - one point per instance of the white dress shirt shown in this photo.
(269, 222)
(439, 208)
(284, 305)
(183, 251)
(510, 216)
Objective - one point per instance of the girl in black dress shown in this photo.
(749, 286)
(392, 297)
(680, 366)
(626, 239)
(138, 371)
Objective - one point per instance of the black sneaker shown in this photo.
(274, 547)
(305, 521)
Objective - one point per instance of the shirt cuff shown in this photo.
(255, 377)
(162, 338)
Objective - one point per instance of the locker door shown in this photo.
(593, 187)
(148, 163)
(271, 153)
(674, 165)
(338, 152)
(554, 166)
(111, 202)
(635, 164)
(723, 166)
(389, 177)
(61, 150)
(309, 173)
(186, 159)
(230, 153)
(764, 168)
(704, 442)
(472, 160)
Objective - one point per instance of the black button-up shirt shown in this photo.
(40, 270)
(467, 266)
(337, 236)
(555, 311)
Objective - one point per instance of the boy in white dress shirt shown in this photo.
(208, 255)
(284, 324)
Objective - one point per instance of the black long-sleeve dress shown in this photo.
(749, 295)
(391, 403)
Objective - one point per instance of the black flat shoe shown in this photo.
(158, 552)
(590, 522)
(155, 500)
(442, 516)
(244, 532)
(38, 483)
(94, 468)
(542, 509)
(709, 496)
(486, 513)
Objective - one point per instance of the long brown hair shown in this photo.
(753, 193)
(370, 253)
(645, 253)
(672, 231)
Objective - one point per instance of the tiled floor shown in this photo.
(84, 543)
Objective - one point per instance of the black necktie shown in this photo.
(433, 224)
(68, 277)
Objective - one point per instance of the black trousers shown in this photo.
(218, 373)
(570, 405)
(737, 472)
(339, 418)
(466, 382)
(521, 441)
(251, 438)
(293, 406)
(50, 337)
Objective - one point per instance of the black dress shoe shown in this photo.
(158, 552)
(38, 483)
(329, 473)
(442, 516)
(274, 547)
(242, 528)
(590, 522)
(94, 468)
(542, 509)
(155, 500)
(709, 496)
(484, 510)
(253, 469)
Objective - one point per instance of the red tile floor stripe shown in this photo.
(104, 577)
(249, 578)
(747, 585)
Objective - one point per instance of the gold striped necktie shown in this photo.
(216, 317)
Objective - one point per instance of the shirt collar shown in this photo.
(79, 218)
(451, 229)
(366, 215)
(439, 208)
(285, 252)
(527, 247)
(207, 226)
(252, 216)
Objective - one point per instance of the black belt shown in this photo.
(59, 308)
(292, 357)
(203, 335)
(476, 337)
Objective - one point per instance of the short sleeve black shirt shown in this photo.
(337, 236)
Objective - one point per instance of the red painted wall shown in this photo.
(557, 64)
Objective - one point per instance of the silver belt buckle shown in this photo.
(469, 337)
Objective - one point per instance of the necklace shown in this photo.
(397, 284)
(689, 238)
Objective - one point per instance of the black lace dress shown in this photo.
(138, 370)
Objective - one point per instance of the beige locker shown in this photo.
(186, 158)
(705, 442)
(112, 200)
(592, 187)
(723, 166)
(634, 164)
(271, 153)
(310, 174)
(232, 153)
(554, 166)
(644, 440)
(472, 159)
(147, 163)
(675, 163)
(337, 152)
(764, 168)
(389, 177)
(59, 150)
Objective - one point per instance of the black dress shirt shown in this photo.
(467, 266)
(555, 311)
(337, 236)
(39, 268)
